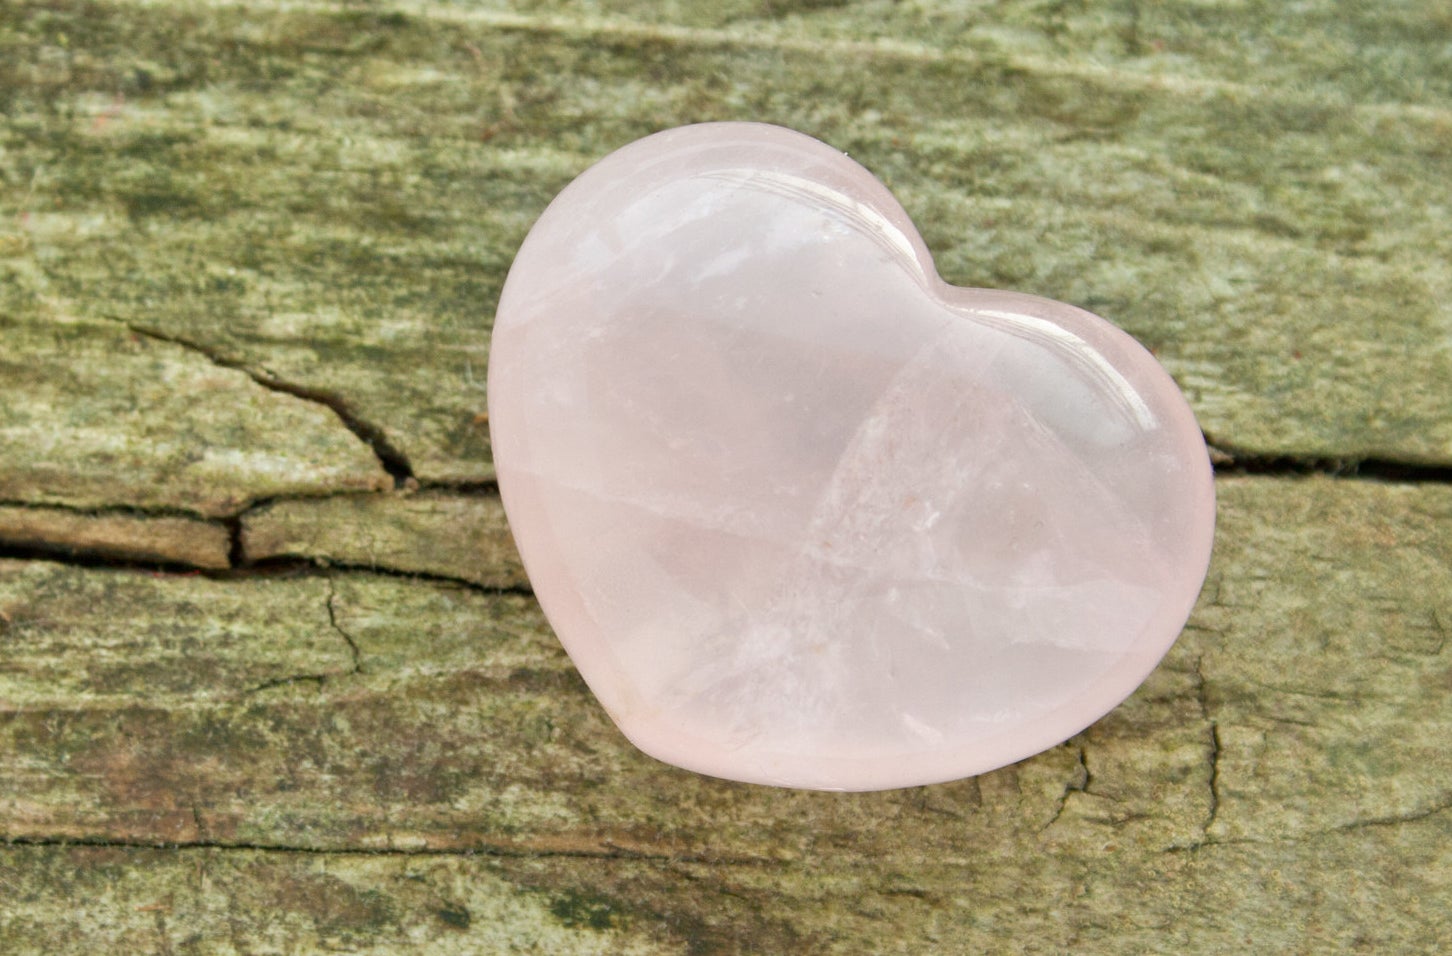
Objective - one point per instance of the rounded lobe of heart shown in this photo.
(804, 514)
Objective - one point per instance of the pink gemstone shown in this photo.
(804, 514)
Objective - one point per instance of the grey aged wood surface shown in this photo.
(271, 679)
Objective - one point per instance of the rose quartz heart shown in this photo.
(804, 514)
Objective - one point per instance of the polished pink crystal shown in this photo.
(804, 514)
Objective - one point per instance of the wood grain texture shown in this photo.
(270, 676)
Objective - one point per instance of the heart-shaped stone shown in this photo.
(804, 514)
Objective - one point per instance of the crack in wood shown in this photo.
(390, 457)
(603, 851)
(233, 524)
(1078, 784)
(1202, 698)
(318, 679)
(1232, 460)
(308, 567)
(71, 556)
(484, 489)
(113, 510)
(1396, 819)
(1213, 813)
(236, 546)
(1351, 826)
(271, 567)
(354, 652)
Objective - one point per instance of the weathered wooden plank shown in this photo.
(248, 257)
(1286, 756)
(334, 196)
